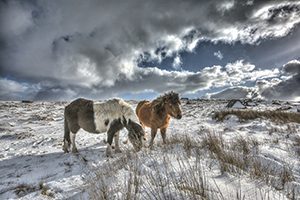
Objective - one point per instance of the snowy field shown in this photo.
(204, 159)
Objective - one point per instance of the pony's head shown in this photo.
(135, 134)
(170, 103)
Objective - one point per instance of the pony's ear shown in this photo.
(164, 101)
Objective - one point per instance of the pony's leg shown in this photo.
(143, 126)
(73, 143)
(67, 141)
(163, 132)
(115, 127)
(153, 134)
(74, 128)
(116, 138)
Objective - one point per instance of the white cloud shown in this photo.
(13, 90)
(225, 6)
(186, 82)
(268, 86)
(177, 62)
(91, 46)
(219, 55)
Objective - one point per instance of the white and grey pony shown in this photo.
(99, 117)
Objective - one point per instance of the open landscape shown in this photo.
(213, 152)
(193, 99)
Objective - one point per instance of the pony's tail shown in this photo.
(67, 140)
(138, 107)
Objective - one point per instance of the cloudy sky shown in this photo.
(136, 49)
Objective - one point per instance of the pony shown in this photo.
(99, 117)
(157, 114)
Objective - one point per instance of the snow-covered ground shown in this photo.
(33, 165)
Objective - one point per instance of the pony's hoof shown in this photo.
(151, 146)
(66, 150)
(66, 147)
(118, 151)
(109, 156)
(109, 153)
(74, 150)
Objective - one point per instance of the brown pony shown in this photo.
(157, 114)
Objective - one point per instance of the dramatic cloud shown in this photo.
(12, 90)
(288, 87)
(155, 79)
(284, 87)
(91, 48)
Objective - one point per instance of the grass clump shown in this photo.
(248, 114)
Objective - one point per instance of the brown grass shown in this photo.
(24, 189)
(229, 160)
(180, 177)
(184, 180)
(241, 156)
(276, 116)
(296, 145)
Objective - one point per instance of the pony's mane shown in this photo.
(158, 103)
(120, 108)
(127, 110)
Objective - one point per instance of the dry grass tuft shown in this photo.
(169, 178)
(166, 175)
(296, 145)
(241, 156)
(247, 114)
(45, 190)
(24, 189)
(229, 160)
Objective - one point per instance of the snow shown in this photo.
(33, 165)
(238, 105)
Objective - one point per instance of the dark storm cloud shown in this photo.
(287, 88)
(70, 48)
